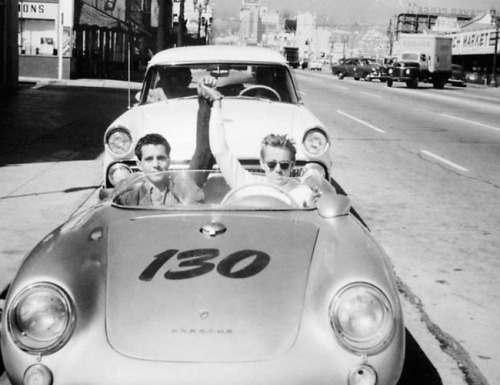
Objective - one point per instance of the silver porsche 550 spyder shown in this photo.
(242, 287)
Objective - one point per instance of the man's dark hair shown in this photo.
(154, 139)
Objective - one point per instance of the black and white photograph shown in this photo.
(249, 192)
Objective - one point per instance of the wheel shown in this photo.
(259, 195)
(341, 75)
(438, 83)
(356, 77)
(389, 82)
(413, 83)
(267, 90)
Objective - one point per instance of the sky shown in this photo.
(349, 12)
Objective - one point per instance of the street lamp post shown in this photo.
(494, 19)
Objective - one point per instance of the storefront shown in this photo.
(45, 38)
(474, 48)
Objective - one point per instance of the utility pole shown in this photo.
(181, 24)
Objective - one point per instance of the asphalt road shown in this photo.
(418, 164)
(421, 166)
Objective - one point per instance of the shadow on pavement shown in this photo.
(57, 123)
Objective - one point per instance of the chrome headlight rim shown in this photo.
(23, 340)
(307, 135)
(111, 148)
(382, 338)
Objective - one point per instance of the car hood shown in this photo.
(246, 121)
(176, 294)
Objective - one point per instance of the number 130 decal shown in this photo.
(197, 262)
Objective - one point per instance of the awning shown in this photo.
(93, 16)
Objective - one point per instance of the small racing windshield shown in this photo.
(187, 189)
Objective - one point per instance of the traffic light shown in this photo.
(109, 5)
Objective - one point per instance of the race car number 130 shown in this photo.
(197, 262)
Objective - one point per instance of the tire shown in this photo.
(341, 75)
(438, 83)
(389, 82)
(356, 77)
(413, 83)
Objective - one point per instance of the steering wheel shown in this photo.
(269, 90)
(259, 195)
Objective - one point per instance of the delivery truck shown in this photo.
(421, 58)
(292, 56)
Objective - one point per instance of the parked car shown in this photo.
(458, 77)
(243, 287)
(316, 65)
(255, 82)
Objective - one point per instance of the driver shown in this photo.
(277, 157)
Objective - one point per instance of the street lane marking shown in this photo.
(471, 122)
(362, 122)
(443, 160)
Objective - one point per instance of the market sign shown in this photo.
(42, 11)
(474, 42)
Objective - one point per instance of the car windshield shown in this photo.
(181, 192)
(272, 82)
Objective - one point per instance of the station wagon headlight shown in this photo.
(119, 141)
(41, 318)
(362, 318)
(315, 142)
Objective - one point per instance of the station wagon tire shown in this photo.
(389, 82)
(356, 77)
(340, 75)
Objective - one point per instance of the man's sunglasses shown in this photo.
(284, 165)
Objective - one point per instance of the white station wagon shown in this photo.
(260, 97)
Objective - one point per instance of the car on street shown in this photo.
(241, 287)
(457, 77)
(369, 69)
(255, 82)
(316, 65)
(358, 68)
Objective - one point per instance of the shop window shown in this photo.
(37, 37)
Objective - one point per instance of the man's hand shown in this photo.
(209, 94)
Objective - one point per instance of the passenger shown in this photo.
(277, 157)
(157, 188)
(173, 83)
(153, 154)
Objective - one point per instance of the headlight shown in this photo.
(407, 71)
(315, 142)
(117, 172)
(41, 318)
(362, 318)
(390, 70)
(119, 141)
